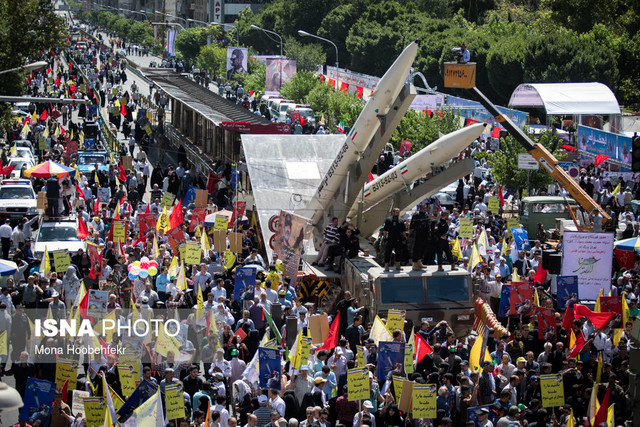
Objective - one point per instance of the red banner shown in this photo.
(176, 237)
(197, 218)
(147, 222)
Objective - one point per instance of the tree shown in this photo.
(505, 160)
(308, 56)
(299, 87)
(422, 130)
(28, 28)
(213, 59)
(191, 40)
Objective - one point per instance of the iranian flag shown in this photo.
(403, 170)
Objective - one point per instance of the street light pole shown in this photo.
(255, 27)
(305, 34)
(28, 67)
(174, 16)
(237, 31)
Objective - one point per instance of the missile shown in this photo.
(407, 171)
(333, 187)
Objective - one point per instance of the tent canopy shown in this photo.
(566, 98)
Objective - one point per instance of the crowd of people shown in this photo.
(222, 327)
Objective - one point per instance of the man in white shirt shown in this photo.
(276, 402)
(5, 238)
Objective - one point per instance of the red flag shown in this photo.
(84, 304)
(370, 178)
(80, 192)
(359, 91)
(148, 210)
(58, 81)
(122, 175)
(343, 87)
(62, 131)
(567, 320)
(96, 207)
(176, 219)
(6, 171)
(422, 347)
(495, 133)
(501, 196)
(599, 320)
(541, 274)
(250, 92)
(600, 158)
(332, 82)
(334, 334)
(44, 116)
(123, 109)
(577, 347)
(568, 147)
(83, 230)
(601, 415)
(64, 392)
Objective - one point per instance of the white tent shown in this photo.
(566, 99)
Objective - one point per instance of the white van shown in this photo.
(279, 109)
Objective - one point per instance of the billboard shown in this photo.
(589, 257)
(596, 141)
(236, 61)
(278, 72)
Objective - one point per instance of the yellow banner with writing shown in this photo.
(494, 205)
(423, 403)
(61, 261)
(127, 380)
(174, 401)
(361, 359)
(221, 223)
(94, 410)
(192, 253)
(466, 229)
(66, 369)
(552, 390)
(395, 320)
(358, 384)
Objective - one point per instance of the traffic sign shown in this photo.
(527, 162)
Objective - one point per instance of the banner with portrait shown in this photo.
(287, 242)
(236, 61)
(278, 71)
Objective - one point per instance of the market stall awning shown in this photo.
(566, 98)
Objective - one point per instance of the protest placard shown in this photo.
(221, 223)
(61, 261)
(568, 293)
(192, 253)
(119, 231)
(552, 390)
(94, 411)
(423, 402)
(201, 198)
(521, 238)
(235, 242)
(77, 401)
(245, 279)
(395, 320)
(358, 384)
(220, 240)
(360, 357)
(66, 370)
(521, 299)
(319, 328)
(407, 396)
(174, 401)
(127, 379)
(588, 256)
(37, 393)
(398, 382)
(408, 359)
(147, 222)
(494, 205)
(466, 229)
(390, 357)
(269, 361)
(167, 200)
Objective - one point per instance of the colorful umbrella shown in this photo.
(210, 219)
(631, 244)
(47, 169)
(7, 268)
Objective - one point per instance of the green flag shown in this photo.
(272, 326)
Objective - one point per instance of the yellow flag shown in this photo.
(71, 136)
(181, 281)
(475, 258)
(536, 298)
(379, 331)
(45, 133)
(572, 339)
(98, 180)
(594, 404)
(611, 417)
(173, 267)
(204, 242)
(503, 252)
(475, 361)
(156, 251)
(166, 343)
(294, 352)
(571, 422)
(200, 302)
(625, 311)
(100, 327)
(57, 132)
(116, 214)
(456, 249)
(164, 223)
(599, 368)
(107, 419)
(516, 277)
(14, 150)
(198, 232)
(617, 334)
(25, 130)
(4, 349)
(213, 328)
(134, 312)
(597, 308)
(45, 264)
(82, 137)
(482, 243)
(34, 117)
(616, 191)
